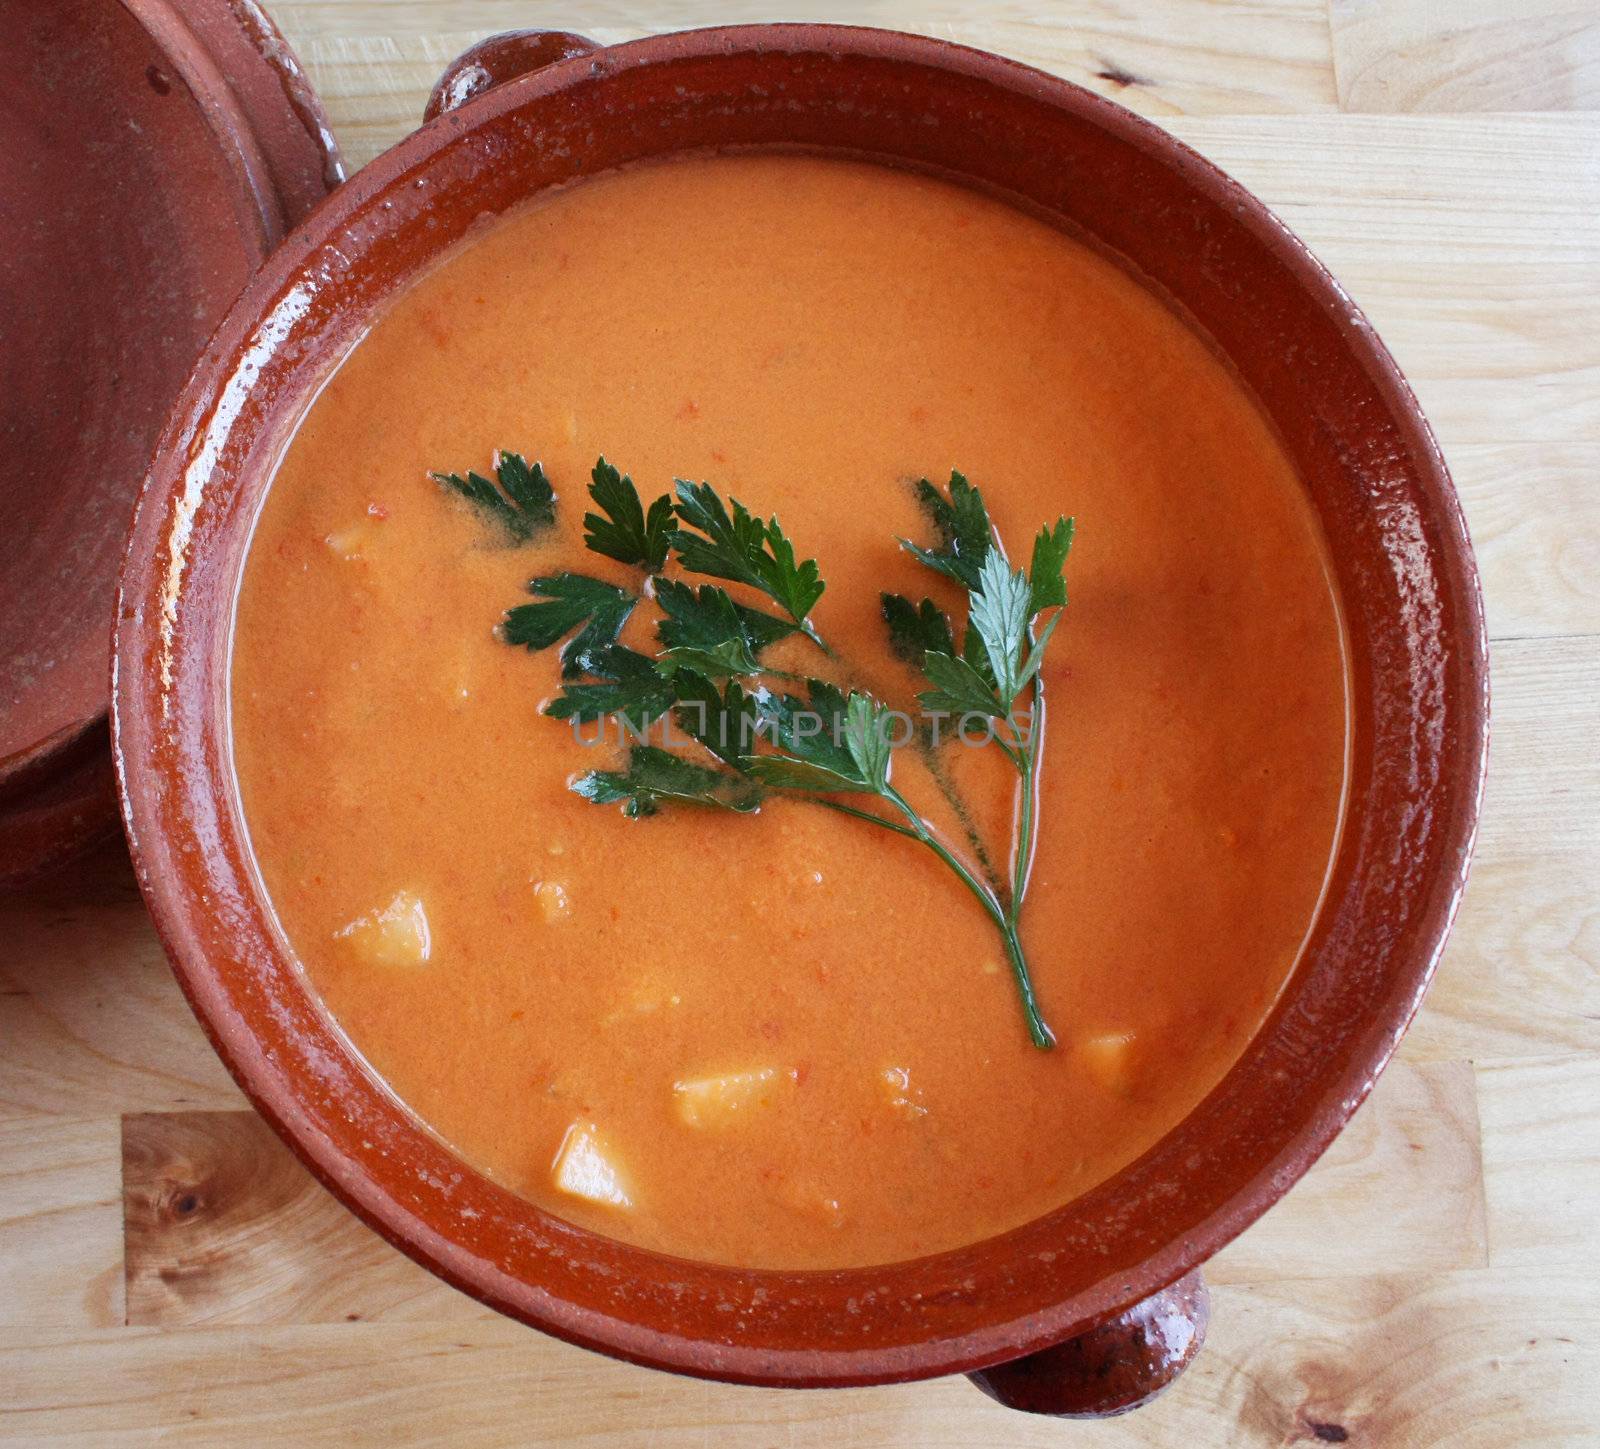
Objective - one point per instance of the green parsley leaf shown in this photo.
(962, 522)
(866, 736)
(727, 722)
(797, 719)
(789, 772)
(523, 505)
(914, 629)
(973, 652)
(999, 612)
(706, 630)
(795, 585)
(958, 688)
(808, 723)
(626, 533)
(1036, 658)
(632, 689)
(721, 661)
(743, 548)
(596, 609)
(1047, 587)
(825, 741)
(654, 775)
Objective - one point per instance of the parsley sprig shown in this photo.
(1001, 654)
(764, 731)
(520, 500)
(744, 548)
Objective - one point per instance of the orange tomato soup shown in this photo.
(789, 1039)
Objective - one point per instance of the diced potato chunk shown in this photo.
(551, 898)
(1110, 1060)
(459, 679)
(585, 1167)
(643, 998)
(903, 1099)
(354, 540)
(720, 1101)
(817, 1205)
(397, 935)
(805, 1198)
(828, 1210)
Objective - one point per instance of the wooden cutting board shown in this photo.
(167, 1271)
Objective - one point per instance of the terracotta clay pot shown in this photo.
(153, 153)
(1098, 1298)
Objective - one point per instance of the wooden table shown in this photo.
(166, 1269)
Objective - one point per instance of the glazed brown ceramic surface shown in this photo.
(1118, 1365)
(151, 154)
(1417, 660)
(500, 58)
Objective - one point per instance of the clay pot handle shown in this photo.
(1123, 1363)
(500, 58)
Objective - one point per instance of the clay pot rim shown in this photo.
(998, 1339)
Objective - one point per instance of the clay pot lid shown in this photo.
(152, 153)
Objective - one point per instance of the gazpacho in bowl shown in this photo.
(742, 1028)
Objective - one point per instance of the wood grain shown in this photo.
(1522, 973)
(1475, 255)
(168, 1271)
(1542, 1161)
(91, 1018)
(1534, 512)
(223, 1225)
(377, 58)
(1545, 771)
(1467, 55)
(59, 1186)
(1400, 1191)
(1474, 1360)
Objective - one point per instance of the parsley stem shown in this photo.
(1038, 1030)
(809, 630)
(1029, 765)
(941, 779)
(844, 809)
(1014, 754)
(1024, 844)
(1041, 1035)
(1022, 865)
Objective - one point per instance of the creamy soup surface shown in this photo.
(538, 977)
